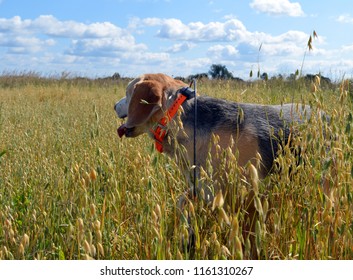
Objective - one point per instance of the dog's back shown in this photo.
(254, 128)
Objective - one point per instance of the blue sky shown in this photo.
(100, 37)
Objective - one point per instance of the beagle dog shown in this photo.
(164, 108)
(152, 104)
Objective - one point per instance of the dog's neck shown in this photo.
(174, 101)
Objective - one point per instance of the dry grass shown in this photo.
(70, 189)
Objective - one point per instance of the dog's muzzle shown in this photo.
(121, 108)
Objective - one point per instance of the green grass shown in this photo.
(71, 189)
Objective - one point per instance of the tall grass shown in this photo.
(70, 189)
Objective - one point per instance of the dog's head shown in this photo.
(145, 103)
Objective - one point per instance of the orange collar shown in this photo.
(159, 130)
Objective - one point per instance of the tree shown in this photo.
(199, 76)
(116, 76)
(264, 76)
(219, 71)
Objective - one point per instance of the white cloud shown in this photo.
(345, 18)
(104, 46)
(49, 25)
(20, 44)
(95, 39)
(15, 24)
(181, 47)
(175, 29)
(223, 52)
(244, 42)
(289, 43)
(186, 67)
(347, 48)
(149, 58)
(153, 21)
(278, 7)
(231, 30)
(93, 47)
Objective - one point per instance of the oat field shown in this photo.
(71, 189)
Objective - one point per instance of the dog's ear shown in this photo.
(145, 102)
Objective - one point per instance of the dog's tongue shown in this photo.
(121, 130)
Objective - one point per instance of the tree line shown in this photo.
(220, 72)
